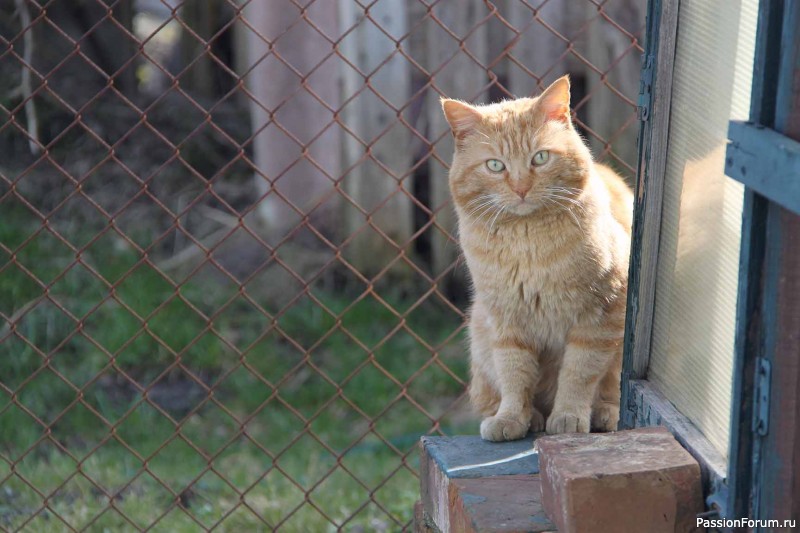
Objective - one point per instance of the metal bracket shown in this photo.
(646, 88)
(717, 499)
(761, 397)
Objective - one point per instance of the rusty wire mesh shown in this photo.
(189, 343)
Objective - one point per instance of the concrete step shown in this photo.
(470, 485)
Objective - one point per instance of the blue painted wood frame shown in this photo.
(748, 346)
(762, 474)
(627, 405)
(766, 162)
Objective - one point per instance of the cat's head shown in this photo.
(517, 156)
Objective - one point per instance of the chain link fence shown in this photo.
(230, 292)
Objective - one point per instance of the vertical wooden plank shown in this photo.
(778, 496)
(744, 449)
(537, 49)
(455, 75)
(296, 147)
(787, 117)
(499, 40)
(746, 350)
(653, 146)
(777, 489)
(607, 113)
(380, 169)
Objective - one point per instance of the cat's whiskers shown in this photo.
(478, 199)
(481, 210)
(572, 191)
(487, 201)
(487, 212)
(555, 199)
(564, 193)
(500, 210)
(569, 200)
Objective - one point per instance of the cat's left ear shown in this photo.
(554, 101)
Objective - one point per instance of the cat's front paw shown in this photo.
(605, 417)
(499, 428)
(567, 422)
(537, 421)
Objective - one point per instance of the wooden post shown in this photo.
(778, 480)
(537, 49)
(455, 75)
(607, 112)
(381, 168)
(297, 149)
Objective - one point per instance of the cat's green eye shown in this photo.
(495, 165)
(541, 157)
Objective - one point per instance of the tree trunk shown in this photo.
(206, 78)
(103, 42)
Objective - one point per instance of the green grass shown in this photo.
(244, 458)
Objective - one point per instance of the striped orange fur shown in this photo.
(546, 233)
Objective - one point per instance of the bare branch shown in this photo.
(26, 89)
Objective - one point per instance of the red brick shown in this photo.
(507, 504)
(628, 481)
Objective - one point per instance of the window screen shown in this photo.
(693, 332)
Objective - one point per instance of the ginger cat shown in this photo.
(546, 236)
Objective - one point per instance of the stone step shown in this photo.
(470, 485)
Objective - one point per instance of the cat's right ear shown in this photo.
(462, 117)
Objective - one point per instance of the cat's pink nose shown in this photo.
(521, 190)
